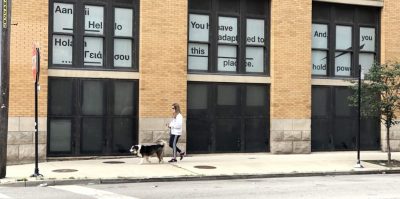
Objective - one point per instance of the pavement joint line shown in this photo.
(193, 178)
(177, 166)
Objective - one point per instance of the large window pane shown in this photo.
(123, 22)
(319, 36)
(124, 98)
(256, 96)
(227, 58)
(92, 135)
(61, 97)
(63, 20)
(93, 51)
(60, 135)
(366, 60)
(92, 102)
(367, 39)
(227, 30)
(197, 96)
(62, 49)
(227, 95)
(255, 59)
(94, 19)
(319, 62)
(342, 63)
(320, 101)
(198, 56)
(123, 132)
(198, 27)
(342, 103)
(122, 53)
(343, 37)
(255, 31)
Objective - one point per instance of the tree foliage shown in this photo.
(380, 95)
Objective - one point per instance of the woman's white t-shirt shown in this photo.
(176, 125)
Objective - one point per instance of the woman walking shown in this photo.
(175, 132)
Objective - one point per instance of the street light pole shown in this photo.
(4, 82)
(358, 165)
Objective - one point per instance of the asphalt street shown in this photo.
(382, 186)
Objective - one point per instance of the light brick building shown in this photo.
(250, 75)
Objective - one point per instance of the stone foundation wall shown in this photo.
(21, 140)
(153, 129)
(394, 138)
(290, 136)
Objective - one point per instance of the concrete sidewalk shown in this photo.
(197, 167)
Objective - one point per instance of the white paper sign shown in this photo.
(227, 30)
(63, 18)
(255, 59)
(367, 39)
(198, 27)
(93, 51)
(319, 62)
(319, 36)
(342, 64)
(122, 53)
(198, 56)
(255, 31)
(227, 60)
(123, 22)
(94, 19)
(62, 49)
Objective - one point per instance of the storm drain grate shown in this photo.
(204, 167)
(114, 162)
(65, 170)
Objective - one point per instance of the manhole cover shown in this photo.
(252, 158)
(114, 162)
(64, 170)
(204, 167)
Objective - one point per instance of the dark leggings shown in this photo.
(173, 139)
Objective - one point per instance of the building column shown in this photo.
(291, 76)
(162, 67)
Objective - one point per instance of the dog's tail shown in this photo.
(161, 142)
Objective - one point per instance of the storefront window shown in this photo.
(226, 38)
(336, 50)
(79, 36)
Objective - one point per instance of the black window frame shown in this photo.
(213, 13)
(108, 36)
(357, 23)
(76, 116)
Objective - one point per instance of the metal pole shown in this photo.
(358, 165)
(4, 82)
(36, 172)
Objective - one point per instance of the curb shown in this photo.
(190, 178)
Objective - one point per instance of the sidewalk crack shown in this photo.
(185, 169)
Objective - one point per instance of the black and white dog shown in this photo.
(146, 151)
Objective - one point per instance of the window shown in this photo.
(343, 37)
(92, 116)
(80, 36)
(228, 36)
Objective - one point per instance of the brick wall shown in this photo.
(32, 19)
(390, 45)
(162, 55)
(291, 76)
(291, 59)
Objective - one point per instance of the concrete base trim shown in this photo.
(230, 79)
(93, 74)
